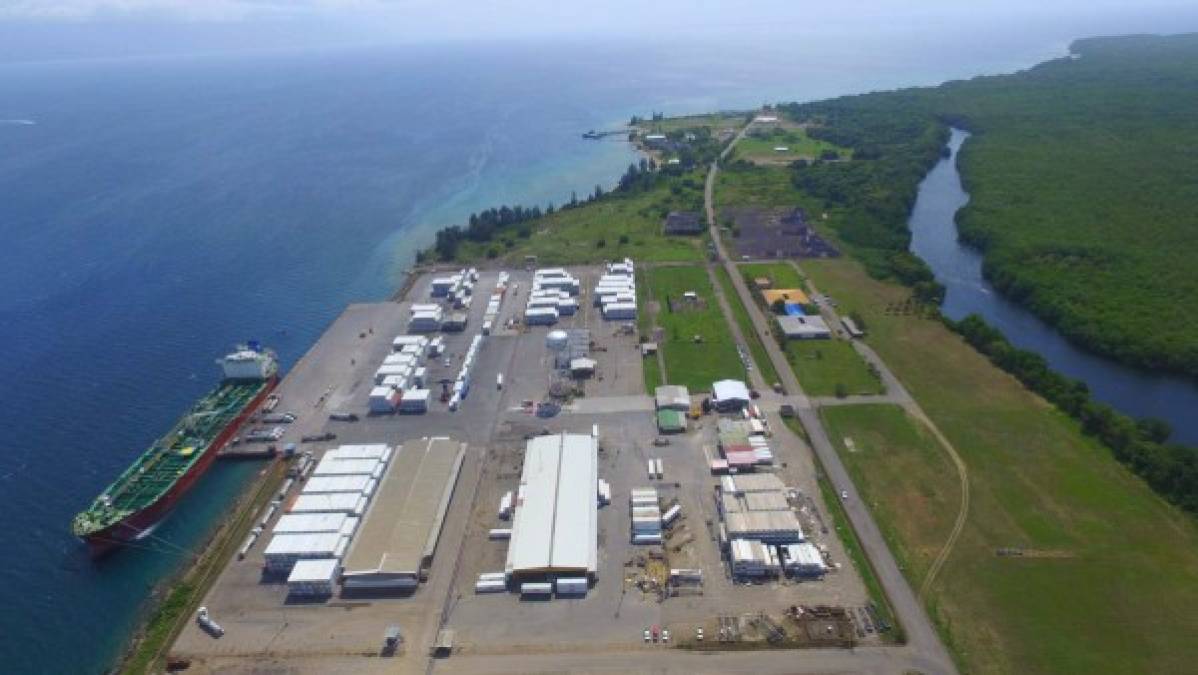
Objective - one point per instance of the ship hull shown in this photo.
(138, 525)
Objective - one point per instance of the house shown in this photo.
(684, 222)
(804, 327)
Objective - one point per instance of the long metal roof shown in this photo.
(404, 520)
(556, 525)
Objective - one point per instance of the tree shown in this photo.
(778, 306)
(841, 390)
(623, 239)
(600, 243)
(492, 253)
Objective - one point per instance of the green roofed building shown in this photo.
(671, 421)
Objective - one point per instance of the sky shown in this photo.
(69, 29)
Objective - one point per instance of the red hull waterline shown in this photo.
(139, 524)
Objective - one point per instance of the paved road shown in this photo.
(924, 651)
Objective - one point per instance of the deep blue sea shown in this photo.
(153, 212)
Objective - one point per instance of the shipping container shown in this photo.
(536, 590)
(490, 586)
(572, 586)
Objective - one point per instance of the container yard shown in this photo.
(537, 510)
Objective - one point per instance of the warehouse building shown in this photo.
(672, 397)
(804, 327)
(729, 395)
(803, 560)
(399, 534)
(555, 527)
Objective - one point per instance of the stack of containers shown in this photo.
(493, 304)
(761, 450)
(426, 318)
(616, 292)
(646, 516)
(313, 578)
(461, 386)
(491, 582)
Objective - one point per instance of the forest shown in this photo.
(1083, 185)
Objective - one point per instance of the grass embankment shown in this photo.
(888, 452)
(650, 366)
(617, 225)
(693, 364)
(154, 641)
(1107, 579)
(852, 546)
(747, 328)
(762, 147)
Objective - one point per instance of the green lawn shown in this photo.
(747, 329)
(824, 365)
(593, 232)
(782, 274)
(892, 455)
(796, 141)
(693, 364)
(1108, 582)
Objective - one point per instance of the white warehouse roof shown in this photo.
(555, 528)
(730, 390)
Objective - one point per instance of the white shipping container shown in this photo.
(572, 586)
(532, 589)
(641, 539)
(490, 586)
(499, 534)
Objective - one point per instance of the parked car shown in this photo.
(648, 638)
(344, 416)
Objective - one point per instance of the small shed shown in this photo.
(670, 421)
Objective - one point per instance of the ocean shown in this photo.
(156, 211)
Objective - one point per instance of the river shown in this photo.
(934, 238)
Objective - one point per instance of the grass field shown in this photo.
(824, 365)
(693, 364)
(756, 186)
(1108, 579)
(593, 232)
(783, 275)
(747, 329)
(888, 452)
(796, 141)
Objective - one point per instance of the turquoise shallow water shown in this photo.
(156, 211)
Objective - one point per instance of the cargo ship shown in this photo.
(129, 509)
